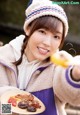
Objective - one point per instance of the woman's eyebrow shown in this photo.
(58, 32)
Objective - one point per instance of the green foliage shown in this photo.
(13, 11)
(73, 15)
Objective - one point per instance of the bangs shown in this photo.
(48, 22)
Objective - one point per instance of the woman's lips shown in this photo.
(43, 51)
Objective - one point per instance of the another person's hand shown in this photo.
(76, 73)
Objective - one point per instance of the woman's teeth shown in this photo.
(43, 51)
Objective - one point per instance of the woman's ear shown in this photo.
(27, 31)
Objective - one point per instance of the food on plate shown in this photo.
(31, 109)
(23, 104)
(25, 101)
(13, 101)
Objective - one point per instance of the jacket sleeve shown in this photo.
(67, 90)
(4, 81)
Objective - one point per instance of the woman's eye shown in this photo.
(42, 31)
(56, 37)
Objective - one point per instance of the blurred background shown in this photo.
(12, 17)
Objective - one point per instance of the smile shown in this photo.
(42, 50)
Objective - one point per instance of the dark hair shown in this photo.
(49, 22)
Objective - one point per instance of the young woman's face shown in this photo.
(43, 43)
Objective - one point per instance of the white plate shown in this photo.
(8, 94)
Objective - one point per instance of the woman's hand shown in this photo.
(76, 73)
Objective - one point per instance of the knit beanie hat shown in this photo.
(39, 8)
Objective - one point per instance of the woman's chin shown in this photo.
(42, 58)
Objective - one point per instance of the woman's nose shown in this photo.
(47, 41)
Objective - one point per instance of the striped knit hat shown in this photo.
(38, 8)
